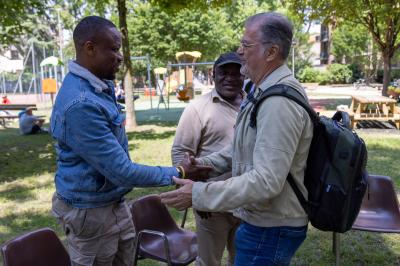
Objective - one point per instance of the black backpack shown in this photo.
(335, 176)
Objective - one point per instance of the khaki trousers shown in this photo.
(213, 235)
(101, 236)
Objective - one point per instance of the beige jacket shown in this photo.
(260, 159)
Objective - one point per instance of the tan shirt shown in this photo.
(260, 159)
(206, 126)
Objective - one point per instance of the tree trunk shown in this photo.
(129, 104)
(386, 72)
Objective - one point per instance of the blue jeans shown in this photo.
(262, 246)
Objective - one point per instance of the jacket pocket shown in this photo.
(57, 127)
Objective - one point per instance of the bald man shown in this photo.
(94, 170)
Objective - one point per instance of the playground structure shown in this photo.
(181, 80)
(49, 77)
(33, 77)
(42, 77)
(160, 73)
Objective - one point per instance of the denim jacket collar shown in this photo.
(98, 84)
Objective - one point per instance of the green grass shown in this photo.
(27, 166)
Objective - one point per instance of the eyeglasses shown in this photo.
(245, 45)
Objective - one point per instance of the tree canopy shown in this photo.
(381, 18)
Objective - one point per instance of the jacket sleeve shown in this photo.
(280, 123)
(221, 161)
(188, 135)
(88, 133)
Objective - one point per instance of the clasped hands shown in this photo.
(181, 198)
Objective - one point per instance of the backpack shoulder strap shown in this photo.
(294, 95)
(247, 87)
(284, 91)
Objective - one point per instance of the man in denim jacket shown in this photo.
(94, 170)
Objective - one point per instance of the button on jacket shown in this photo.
(93, 164)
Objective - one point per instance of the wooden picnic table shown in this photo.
(10, 107)
(378, 108)
(3, 118)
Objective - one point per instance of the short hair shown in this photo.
(275, 28)
(89, 28)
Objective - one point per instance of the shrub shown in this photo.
(308, 74)
(356, 72)
(323, 78)
(339, 73)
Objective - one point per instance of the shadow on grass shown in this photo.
(356, 248)
(21, 193)
(150, 135)
(161, 117)
(18, 224)
(24, 156)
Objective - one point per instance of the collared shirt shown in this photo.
(206, 126)
(98, 84)
(260, 159)
(93, 164)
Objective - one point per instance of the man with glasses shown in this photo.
(274, 223)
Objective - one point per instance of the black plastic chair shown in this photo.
(158, 236)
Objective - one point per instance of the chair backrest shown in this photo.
(39, 248)
(149, 213)
(380, 195)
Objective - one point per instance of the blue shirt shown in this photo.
(93, 164)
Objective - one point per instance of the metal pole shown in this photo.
(293, 60)
(34, 68)
(20, 84)
(56, 77)
(293, 51)
(60, 35)
(22, 72)
(149, 77)
(4, 83)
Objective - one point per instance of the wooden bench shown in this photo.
(16, 107)
(378, 108)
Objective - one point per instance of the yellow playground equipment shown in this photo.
(181, 80)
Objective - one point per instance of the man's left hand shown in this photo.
(181, 198)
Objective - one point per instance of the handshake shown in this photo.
(181, 198)
(189, 168)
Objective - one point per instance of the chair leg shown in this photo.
(184, 218)
(136, 249)
(336, 247)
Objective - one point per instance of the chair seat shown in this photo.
(377, 221)
(182, 245)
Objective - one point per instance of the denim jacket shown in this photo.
(93, 164)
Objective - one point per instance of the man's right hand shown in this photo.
(193, 170)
